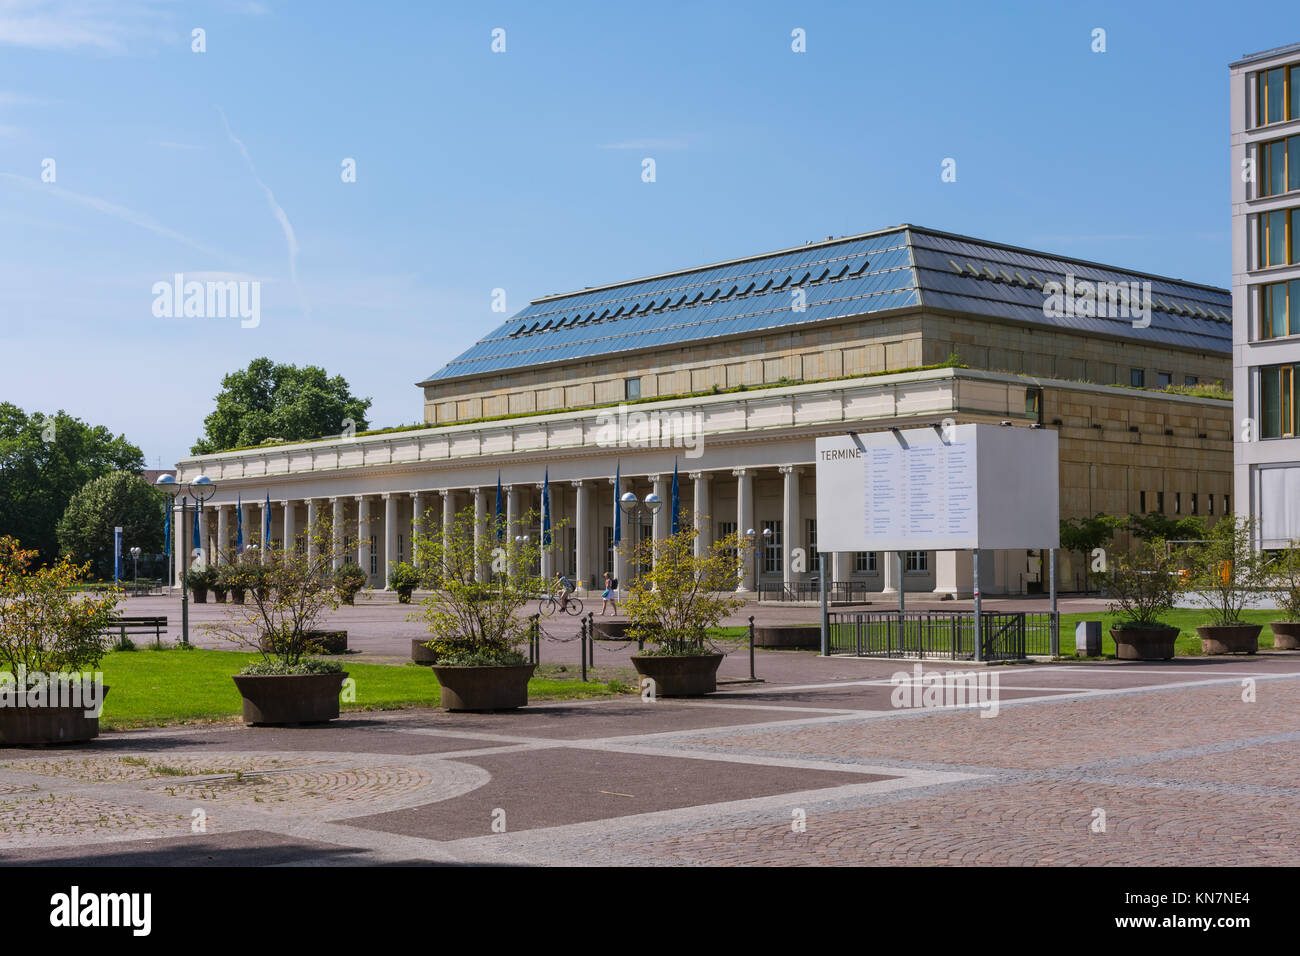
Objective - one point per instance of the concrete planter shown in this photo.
(1144, 643)
(1232, 639)
(289, 698)
(685, 675)
(219, 596)
(800, 635)
(200, 595)
(26, 726)
(1286, 635)
(484, 688)
(421, 654)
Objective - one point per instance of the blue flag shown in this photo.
(239, 525)
(676, 498)
(546, 509)
(167, 529)
(618, 507)
(266, 523)
(198, 542)
(500, 520)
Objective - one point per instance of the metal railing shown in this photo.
(1007, 635)
(842, 592)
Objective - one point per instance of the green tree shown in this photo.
(120, 498)
(44, 460)
(269, 400)
(1082, 536)
(1155, 526)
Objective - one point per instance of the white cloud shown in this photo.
(102, 26)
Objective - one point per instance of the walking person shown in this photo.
(609, 595)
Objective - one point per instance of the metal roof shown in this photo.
(853, 276)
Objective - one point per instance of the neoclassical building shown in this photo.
(729, 372)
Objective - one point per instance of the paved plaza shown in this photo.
(1193, 761)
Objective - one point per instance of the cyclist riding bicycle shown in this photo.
(563, 587)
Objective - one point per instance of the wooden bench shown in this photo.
(157, 626)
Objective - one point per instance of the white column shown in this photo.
(417, 525)
(290, 524)
(701, 516)
(887, 562)
(222, 553)
(313, 519)
(390, 535)
(841, 565)
(480, 529)
(952, 573)
(582, 530)
(448, 522)
(363, 536)
(744, 523)
(791, 525)
(336, 533)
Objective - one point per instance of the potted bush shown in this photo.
(200, 580)
(673, 605)
(1145, 584)
(233, 579)
(50, 636)
(348, 580)
(1286, 632)
(1226, 572)
(476, 628)
(280, 618)
(404, 579)
(220, 585)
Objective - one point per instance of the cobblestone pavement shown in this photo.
(1110, 764)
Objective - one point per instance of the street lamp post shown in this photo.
(754, 543)
(135, 570)
(200, 489)
(634, 508)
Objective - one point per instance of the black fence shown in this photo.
(844, 592)
(1007, 635)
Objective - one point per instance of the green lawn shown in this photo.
(149, 688)
(1185, 619)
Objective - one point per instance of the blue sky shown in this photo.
(522, 170)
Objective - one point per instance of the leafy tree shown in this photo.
(1082, 536)
(1226, 570)
(269, 400)
(44, 460)
(122, 498)
(1153, 526)
(1145, 585)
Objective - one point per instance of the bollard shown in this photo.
(751, 648)
(591, 638)
(1087, 639)
(582, 649)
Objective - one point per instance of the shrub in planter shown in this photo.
(282, 613)
(348, 580)
(230, 578)
(1225, 573)
(673, 605)
(476, 629)
(404, 579)
(200, 580)
(48, 632)
(1145, 585)
(1286, 632)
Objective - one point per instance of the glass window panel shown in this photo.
(1275, 300)
(1293, 247)
(1270, 402)
(1293, 308)
(1295, 92)
(1287, 389)
(1293, 162)
(1271, 96)
(1274, 168)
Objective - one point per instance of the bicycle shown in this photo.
(549, 604)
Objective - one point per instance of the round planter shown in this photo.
(484, 688)
(685, 675)
(1144, 643)
(800, 635)
(1286, 635)
(421, 654)
(1232, 639)
(289, 698)
(25, 726)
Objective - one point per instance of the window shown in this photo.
(1276, 95)
(374, 557)
(1227, 505)
(1178, 502)
(1277, 401)
(916, 562)
(348, 549)
(815, 556)
(1160, 502)
(607, 533)
(1277, 245)
(400, 552)
(1190, 380)
(1034, 404)
(1137, 377)
(864, 562)
(1195, 505)
(1164, 379)
(1279, 309)
(1279, 166)
(1142, 502)
(1209, 504)
(772, 546)
(631, 388)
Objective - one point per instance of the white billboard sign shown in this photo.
(947, 488)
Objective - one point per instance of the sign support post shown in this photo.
(975, 580)
(898, 558)
(826, 617)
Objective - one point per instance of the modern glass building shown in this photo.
(1265, 118)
